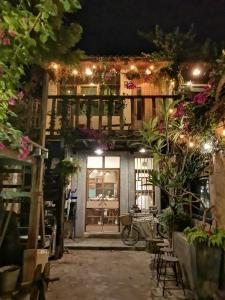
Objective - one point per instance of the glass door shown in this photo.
(102, 207)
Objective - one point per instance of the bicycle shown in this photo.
(131, 234)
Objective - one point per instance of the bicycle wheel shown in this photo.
(162, 231)
(129, 235)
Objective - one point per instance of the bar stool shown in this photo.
(167, 261)
(155, 249)
(163, 251)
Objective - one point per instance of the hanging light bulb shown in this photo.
(196, 72)
(142, 150)
(75, 72)
(191, 144)
(132, 67)
(55, 66)
(94, 67)
(148, 72)
(99, 151)
(152, 67)
(88, 72)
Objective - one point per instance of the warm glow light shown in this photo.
(142, 150)
(148, 72)
(55, 66)
(223, 132)
(189, 83)
(132, 67)
(152, 67)
(191, 144)
(74, 72)
(196, 72)
(88, 72)
(182, 136)
(98, 151)
(68, 91)
(94, 67)
(172, 82)
(91, 83)
(208, 147)
(170, 110)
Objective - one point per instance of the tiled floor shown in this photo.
(106, 275)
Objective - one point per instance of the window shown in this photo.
(112, 162)
(144, 190)
(94, 162)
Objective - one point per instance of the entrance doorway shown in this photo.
(102, 206)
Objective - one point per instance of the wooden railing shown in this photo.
(103, 113)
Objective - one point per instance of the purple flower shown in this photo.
(20, 94)
(11, 101)
(2, 146)
(180, 110)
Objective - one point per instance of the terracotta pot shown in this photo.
(8, 278)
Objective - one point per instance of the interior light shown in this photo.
(152, 67)
(189, 83)
(91, 83)
(88, 72)
(94, 67)
(132, 67)
(142, 150)
(68, 91)
(98, 151)
(172, 82)
(196, 72)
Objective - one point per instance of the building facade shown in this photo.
(95, 112)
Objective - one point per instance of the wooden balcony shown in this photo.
(101, 113)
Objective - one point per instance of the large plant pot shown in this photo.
(208, 268)
(8, 278)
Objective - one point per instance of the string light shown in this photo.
(189, 83)
(152, 67)
(94, 67)
(98, 151)
(88, 72)
(170, 110)
(55, 66)
(132, 67)
(182, 136)
(223, 132)
(208, 147)
(148, 72)
(75, 72)
(191, 144)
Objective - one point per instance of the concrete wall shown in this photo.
(217, 194)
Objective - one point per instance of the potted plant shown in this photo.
(208, 245)
(67, 167)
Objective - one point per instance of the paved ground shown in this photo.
(106, 275)
(101, 244)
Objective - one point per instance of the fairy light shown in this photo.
(152, 67)
(191, 144)
(94, 67)
(189, 83)
(223, 131)
(55, 66)
(182, 136)
(171, 110)
(142, 150)
(132, 67)
(75, 72)
(148, 72)
(208, 147)
(88, 72)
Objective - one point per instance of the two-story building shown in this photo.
(95, 112)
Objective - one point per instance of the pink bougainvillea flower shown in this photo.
(20, 94)
(5, 41)
(180, 111)
(11, 101)
(12, 34)
(161, 126)
(201, 98)
(2, 146)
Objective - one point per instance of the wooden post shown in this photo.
(100, 114)
(132, 102)
(36, 221)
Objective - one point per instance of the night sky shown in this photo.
(110, 26)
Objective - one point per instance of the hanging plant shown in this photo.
(66, 168)
(131, 75)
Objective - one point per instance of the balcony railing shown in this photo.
(102, 113)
